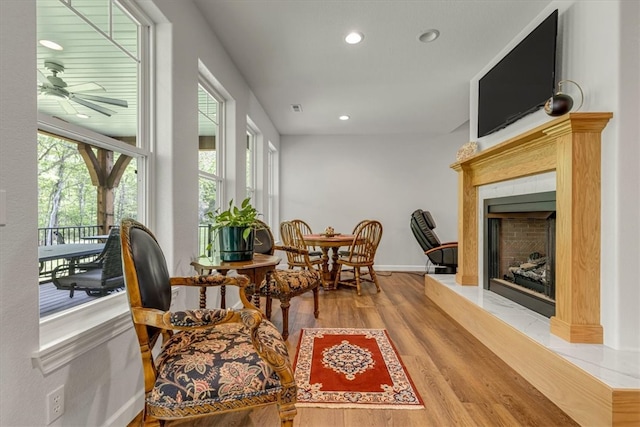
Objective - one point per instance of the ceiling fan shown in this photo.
(53, 86)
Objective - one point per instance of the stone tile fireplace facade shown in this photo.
(570, 146)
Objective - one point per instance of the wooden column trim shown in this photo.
(467, 273)
(570, 145)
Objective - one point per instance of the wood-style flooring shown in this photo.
(461, 382)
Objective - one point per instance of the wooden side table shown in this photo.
(256, 269)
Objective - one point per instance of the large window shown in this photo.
(94, 123)
(209, 160)
(90, 144)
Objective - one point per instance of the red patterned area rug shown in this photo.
(352, 368)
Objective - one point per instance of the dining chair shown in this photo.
(361, 255)
(284, 284)
(306, 229)
(292, 236)
(358, 226)
(345, 252)
(211, 361)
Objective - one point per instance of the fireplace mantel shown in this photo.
(569, 145)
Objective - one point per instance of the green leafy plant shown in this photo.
(244, 216)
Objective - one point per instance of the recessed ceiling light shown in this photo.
(354, 37)
(429, 36)
(344, 117)
(50, 44)
(82, 116)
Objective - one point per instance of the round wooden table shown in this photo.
(325, 243)
(256, 269)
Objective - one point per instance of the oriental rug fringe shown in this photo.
(352, 368)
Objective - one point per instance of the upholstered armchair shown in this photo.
(285, 284)
(444, 256)
(211, 360)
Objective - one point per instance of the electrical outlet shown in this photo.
(55, 404)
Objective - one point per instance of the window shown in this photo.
(251, 163)
(272, 185)
(83, 191)
(94, 113)
(209, 160)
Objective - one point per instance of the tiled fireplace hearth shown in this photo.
(570, 146)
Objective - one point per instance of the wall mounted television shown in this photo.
(521, 82)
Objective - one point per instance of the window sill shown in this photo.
(62, 339)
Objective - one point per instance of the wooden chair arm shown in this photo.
(291, 249)
(210, 280)
(195, 319)
(441, 247)
(294, 250)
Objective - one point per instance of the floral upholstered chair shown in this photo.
(284, 284)
(212, 360)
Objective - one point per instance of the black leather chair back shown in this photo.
(263, 241)
(150, 269)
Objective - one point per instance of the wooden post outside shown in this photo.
(105, 176)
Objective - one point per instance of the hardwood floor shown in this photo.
(461, 382)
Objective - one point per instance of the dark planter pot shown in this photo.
(233, 247)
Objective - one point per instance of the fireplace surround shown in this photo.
(570, 146)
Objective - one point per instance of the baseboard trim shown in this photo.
(583, 397)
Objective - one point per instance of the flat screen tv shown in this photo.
(521, 82)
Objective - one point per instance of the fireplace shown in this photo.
(519, 252)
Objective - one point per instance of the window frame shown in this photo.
(219, 176)
(251, 163)
(61, 340)
(272, 186)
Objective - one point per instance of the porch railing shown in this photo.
(59, 235)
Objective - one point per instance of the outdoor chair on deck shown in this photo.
(444, 256)
(284, 284)
(98, 277)
(212, 360)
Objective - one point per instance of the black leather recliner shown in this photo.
(444, 256)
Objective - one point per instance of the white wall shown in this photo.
(606, 64)
(104, 385)
(339, 180)
(387, 176)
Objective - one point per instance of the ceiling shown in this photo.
(293, 52)
(89, 56)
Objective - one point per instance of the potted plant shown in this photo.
(235, 228)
